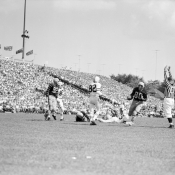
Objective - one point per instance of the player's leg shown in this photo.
(111, 120)
(48, 113)
(138, 107)
(132, 112)
(124, 118)
(168, 104)
(97, 106)
(54, 107)
(86, 116)
(91, 108)
(60, 103)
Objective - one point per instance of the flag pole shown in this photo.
(23, 53)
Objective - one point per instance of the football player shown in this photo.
(82, 116)
(168, 103)
(60, 99)
(139, 96)
(52, 94)
(95, 92)
(117, 116)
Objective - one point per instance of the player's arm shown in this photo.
(61, 92)
(112, 111)
(99, 90)
(167, 71)
(144, 97)
(131, 95)
(48, 90)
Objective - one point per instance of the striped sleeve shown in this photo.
(48, 90)
(167, 83)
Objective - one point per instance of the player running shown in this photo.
(95, 92)
(54, 95)
(139, 96)
(168, 103)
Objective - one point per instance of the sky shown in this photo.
(96, 36)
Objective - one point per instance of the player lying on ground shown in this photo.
(95, 92)
(139, 96)
(168, 103)
(117, 115)
(82, 116)
(54, 95)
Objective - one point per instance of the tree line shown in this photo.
(133, 80)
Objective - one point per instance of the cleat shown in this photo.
(129, 123)
(54, 117)
(93, 123)
(45, 116)
(61, 119)
(48, 118)
(171, 126)
(99, 119)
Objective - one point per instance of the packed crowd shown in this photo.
(23, 84)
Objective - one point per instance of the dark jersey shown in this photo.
(53, 89)
(139, 95)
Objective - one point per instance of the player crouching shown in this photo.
(54, 95)
(95, 92)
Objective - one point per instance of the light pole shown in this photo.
(156, 65)
(24, 31)
(75, 66)
(12, 56)
(98, 72)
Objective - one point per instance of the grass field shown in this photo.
(30, 145)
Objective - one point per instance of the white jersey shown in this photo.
(60, 93)
(95, 89)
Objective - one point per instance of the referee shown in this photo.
(168, 103)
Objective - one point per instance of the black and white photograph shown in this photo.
(87, 87)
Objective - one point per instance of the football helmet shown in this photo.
(56, 80)
(60, 83)
(141, 84)
(96, 79)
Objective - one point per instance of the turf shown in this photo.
(30, 145)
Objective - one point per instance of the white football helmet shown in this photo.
(141, 84)
(60, 83)
(56, 80)
(96, 79)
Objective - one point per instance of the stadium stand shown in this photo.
(23, 86)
